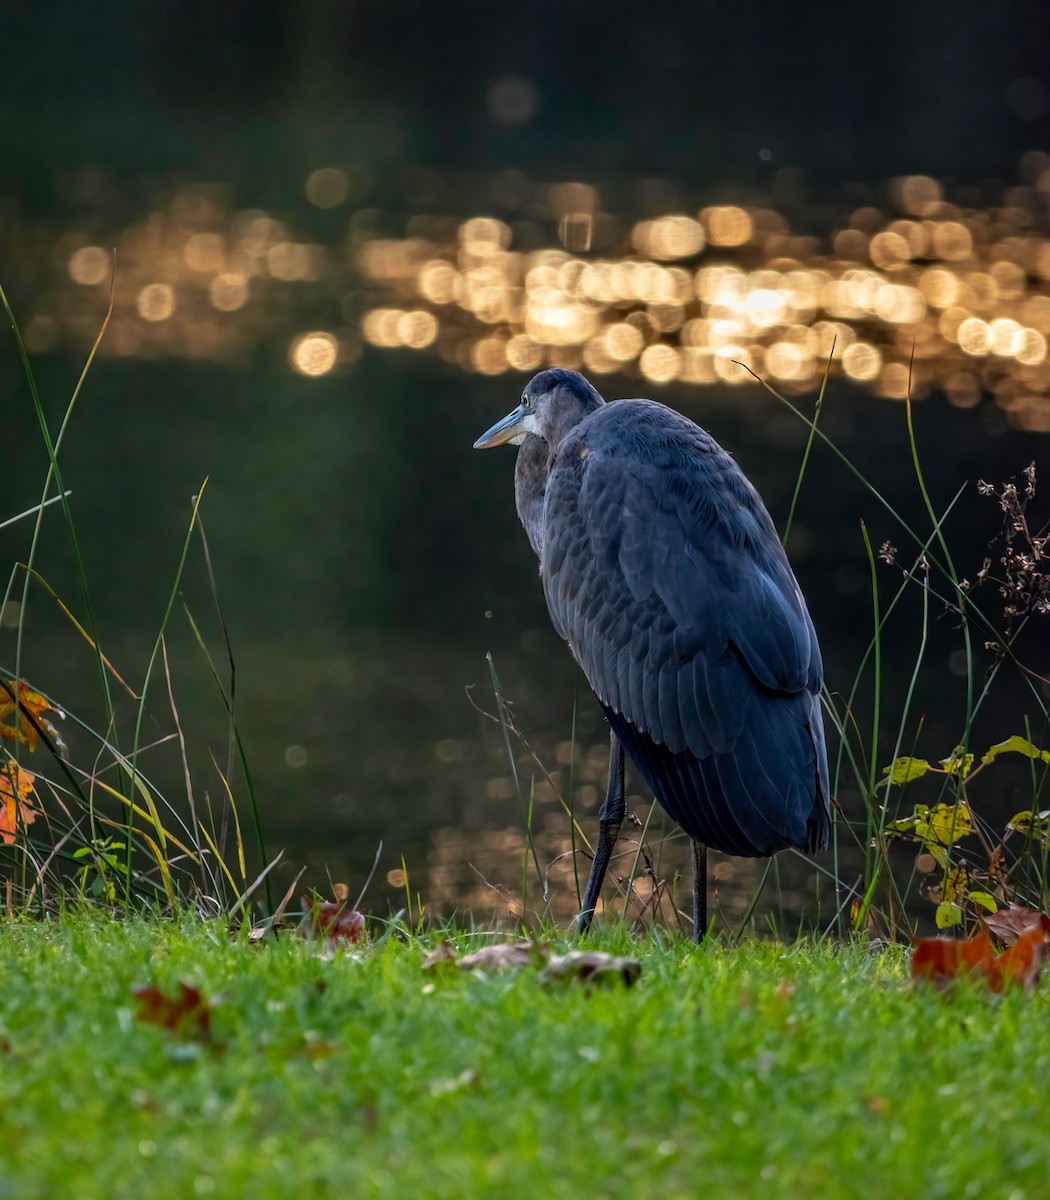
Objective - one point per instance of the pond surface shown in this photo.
(322, 372)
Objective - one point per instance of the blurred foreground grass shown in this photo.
(762, 1070)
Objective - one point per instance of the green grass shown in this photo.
(760, 1071)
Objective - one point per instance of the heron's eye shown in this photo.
(526, 403)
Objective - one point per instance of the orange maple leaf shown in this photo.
(16, 800)
(32, 709)
(943, 959)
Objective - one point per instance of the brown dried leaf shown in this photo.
(1008, 924)
(590, 968)
(443, 956)
(186, 1013)
(336, 922)
(504, 956)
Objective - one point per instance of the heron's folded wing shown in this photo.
(669, 583)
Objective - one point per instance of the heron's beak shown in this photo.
(510, 429)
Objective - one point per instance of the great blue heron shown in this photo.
(663, 571)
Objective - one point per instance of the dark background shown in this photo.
(366, 560)
(689, 91)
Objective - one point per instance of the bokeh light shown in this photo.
(89, 265)
(314, 353)
(156, 302)
(327, 187)
(563, 276)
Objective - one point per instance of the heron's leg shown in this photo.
(699, 891)
(610, 818)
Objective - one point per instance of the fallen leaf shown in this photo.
(1007, 925)
(187, 1013)
(1022, 962)
(942, 960)
(334, 921)
(592, 968)
(444, 955)
(504, 956)
(17, 791)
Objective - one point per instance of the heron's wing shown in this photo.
(664, 573)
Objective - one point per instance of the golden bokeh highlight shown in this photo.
(314, 353)
(974, 336)
(660, 363)
(727, 225)
(958, 290)
(861, 362)
(668, 238)
(205, 252)
(228, 292)
(156, 302)
(89, 265)
(417, 329)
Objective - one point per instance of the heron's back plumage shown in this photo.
(663, 571)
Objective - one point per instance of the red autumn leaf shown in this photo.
(187, 1013)
(334, 921)
(942, 960)
(1007, 925)
(1022, 962)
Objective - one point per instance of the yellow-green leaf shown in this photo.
(945, 824)
(958, 763)
(1016, 745)
(938, 853)
(954, 886)
(985, 901)
(904, 770)
(948, 914)
(1035, 825)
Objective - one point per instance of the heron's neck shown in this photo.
(530, 487)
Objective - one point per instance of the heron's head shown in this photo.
(553, 402)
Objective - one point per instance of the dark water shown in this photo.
(288, 188)
(367, 561)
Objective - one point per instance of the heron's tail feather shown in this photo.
(769, 792)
